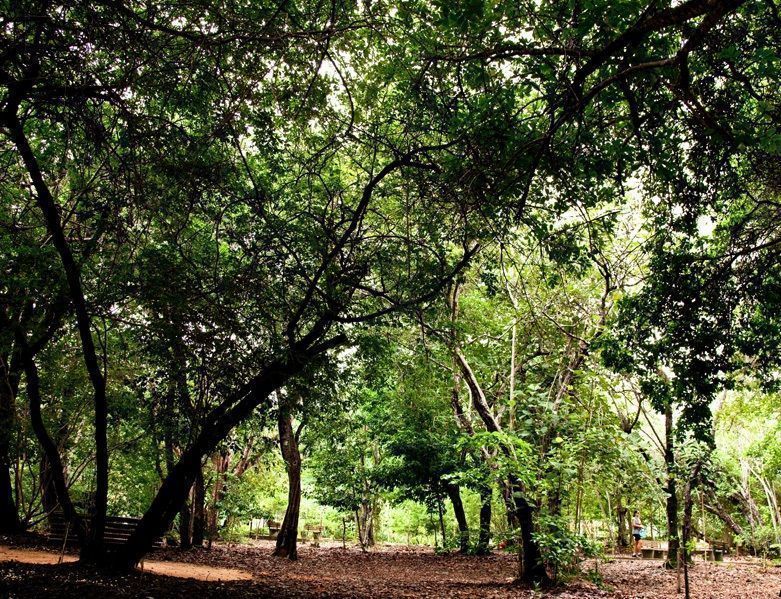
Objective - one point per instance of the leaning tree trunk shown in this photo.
(486, 495)
(454, 493)
(216, 427)
(673, 542)
(287, 538)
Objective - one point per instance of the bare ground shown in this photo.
(250, 571)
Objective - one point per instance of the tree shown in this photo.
(311, 187)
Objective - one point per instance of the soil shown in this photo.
(330, 571)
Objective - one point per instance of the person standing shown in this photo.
(637, 533)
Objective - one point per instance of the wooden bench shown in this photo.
(717, 551)
(116, 532)
(656, 551)
(653, 550)
(273, 528)
(316, 531)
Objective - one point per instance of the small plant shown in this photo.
(595, 577)
(561, 549)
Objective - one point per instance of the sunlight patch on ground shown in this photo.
(176, 569)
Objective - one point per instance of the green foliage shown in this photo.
(512, 223)
(560, 549)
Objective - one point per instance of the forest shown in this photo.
(390, 298)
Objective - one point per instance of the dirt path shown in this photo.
(176, 569)
(331, 572)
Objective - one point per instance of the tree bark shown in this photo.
(47, 444)
(92, 547)
(454, 493)
(440, 511)
(287, 539)
(687, 525)
(186, 523)
(621, 511)
(46, 481)
(199, 517)
(714, 507)
(673, 542)
(221, 461)
(9, 515)
(483, 542)
(519, 508)
(533, 568)
(366, 515)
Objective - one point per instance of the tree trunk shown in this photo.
(519, 509)
(714, 507)
(199, 516)
(454, 493)
(364, 525)
(687, 531)
(486, 495)
(47, 444)
(91, 546)
(221, 462)
(186, 523)
(367, 511)
(46, 480)
(9, 516)
(621, 512)
(358, 531)
(673, 542)
(441, 521)
(533, 568)
(287, 538)
(216, 427)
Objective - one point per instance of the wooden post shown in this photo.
(64, 541)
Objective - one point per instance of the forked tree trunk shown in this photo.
(673, 542)
(364, 522)
(92, 545)
(454, 493)
(287, 539)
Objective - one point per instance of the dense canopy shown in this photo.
(483, 273)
